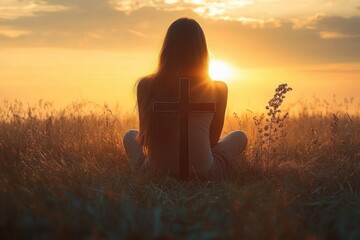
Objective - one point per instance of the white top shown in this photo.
(164, 147)
(167, 155)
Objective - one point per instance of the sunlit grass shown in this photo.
(64, 174)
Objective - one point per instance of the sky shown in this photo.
(68, 50)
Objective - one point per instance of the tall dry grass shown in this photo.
(64, 174)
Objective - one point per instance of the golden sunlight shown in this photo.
(220, 70)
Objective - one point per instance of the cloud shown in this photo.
(250, 41)
(286, 45)
(11, 33)
(231, 9)
(343, 25)
(334, 68)
(90, 24)
(333, 35)
(203, 7)
(11, 9)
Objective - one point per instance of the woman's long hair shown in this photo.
(184, 53)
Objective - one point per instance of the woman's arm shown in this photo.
(140, 89)
(217, 123)
(141, 94)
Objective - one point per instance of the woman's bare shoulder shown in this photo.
(144, 84)
(220, 87)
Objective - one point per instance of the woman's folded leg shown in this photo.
(226, 151)
(133, 148)
(232, 144)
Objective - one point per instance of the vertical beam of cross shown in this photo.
(183, 107)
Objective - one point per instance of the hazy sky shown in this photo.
(77, 45)
(304, 31)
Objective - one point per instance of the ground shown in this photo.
(64, 175)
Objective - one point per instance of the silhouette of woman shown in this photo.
(155, 146)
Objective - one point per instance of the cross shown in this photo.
(184, 107)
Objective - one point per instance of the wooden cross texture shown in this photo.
(183, 107)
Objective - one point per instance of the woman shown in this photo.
(155, 146)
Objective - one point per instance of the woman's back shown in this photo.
(165, 145)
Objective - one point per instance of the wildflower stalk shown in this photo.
(273, 130)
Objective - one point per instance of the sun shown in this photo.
(220, 70)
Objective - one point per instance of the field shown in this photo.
(64, 175)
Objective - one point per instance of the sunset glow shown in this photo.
(220, 70)
(63, 51)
